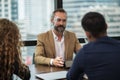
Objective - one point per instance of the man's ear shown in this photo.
(106, 26)
(51, 20)
(88, 34)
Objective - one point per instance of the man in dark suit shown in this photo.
(56, 45)
(100, 58)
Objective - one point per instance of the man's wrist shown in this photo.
(51, 61)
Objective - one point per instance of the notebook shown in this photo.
(52, 75)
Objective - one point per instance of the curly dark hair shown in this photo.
(9, 48)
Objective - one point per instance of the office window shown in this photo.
(77, 8)
(6, 15)
(32, 18)
(6, 0)
(6, 5)
(6, 10)
(35, 19)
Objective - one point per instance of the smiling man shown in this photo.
(56, 45)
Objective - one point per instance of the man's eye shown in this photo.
(64, 20)
(58, 20)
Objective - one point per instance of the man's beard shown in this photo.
(59, 28)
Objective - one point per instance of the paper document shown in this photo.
(52, 75)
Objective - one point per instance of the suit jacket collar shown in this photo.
(66, 41)
(51, 39)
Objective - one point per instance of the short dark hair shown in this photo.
(94, 23)
(58, 10)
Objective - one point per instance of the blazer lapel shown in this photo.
(52, 44)
(66, 41)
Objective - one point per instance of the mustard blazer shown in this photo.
(45, 48)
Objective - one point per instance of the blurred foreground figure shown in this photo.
(10, 55)
(100, 58)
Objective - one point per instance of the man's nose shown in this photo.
(61, 22)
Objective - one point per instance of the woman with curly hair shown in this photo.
(10, 55)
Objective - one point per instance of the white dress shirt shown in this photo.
(59, 47)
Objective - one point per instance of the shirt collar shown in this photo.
(55, 36)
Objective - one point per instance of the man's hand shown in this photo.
(58, 61)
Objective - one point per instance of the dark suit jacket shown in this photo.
(45, 48)
(100, 60)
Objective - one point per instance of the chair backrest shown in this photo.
(33, 60)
